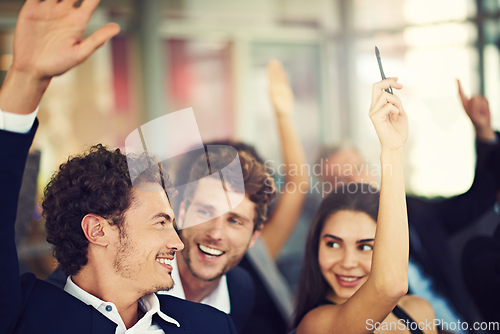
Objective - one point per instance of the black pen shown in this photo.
(377, 53)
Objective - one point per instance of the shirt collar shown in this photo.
(81, 294)
(151, 305)
(148, 303)
(218, 298)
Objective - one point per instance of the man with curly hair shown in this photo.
(107, 214)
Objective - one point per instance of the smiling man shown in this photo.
(113, 238)
(215, 247)
(220, 218)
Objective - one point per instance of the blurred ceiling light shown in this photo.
(439, 35)
(427, 11)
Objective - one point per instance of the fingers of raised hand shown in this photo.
(387, 99)
(465, 100)
(276, 73)
(51, 6)
(478, 108)
(56, 8)
(378, 87)
(89, 5)
(65, 3)
(381, 113)
(49, 36)
(96, 40)
(485, 108)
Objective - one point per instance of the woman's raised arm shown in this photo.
(388, 279)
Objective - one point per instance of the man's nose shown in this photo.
(174, 243)
(215, 228)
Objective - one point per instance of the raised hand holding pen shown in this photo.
(388, 115)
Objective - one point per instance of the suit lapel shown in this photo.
(167, 326)
(101, 324)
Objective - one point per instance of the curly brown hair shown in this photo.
(258, 183)
(97, 182)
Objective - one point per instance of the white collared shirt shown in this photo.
(148, 303)
(16, 122)
(218, 298)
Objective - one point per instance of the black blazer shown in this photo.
(265, 317)
(433, 222)
(29, 305)
(239, 283)
(241, 295)
(481, 270)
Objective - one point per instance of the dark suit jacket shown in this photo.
(481, 255)
(481, 269)
(239, 283)
(241, 295)
(265, 316)
(433, 222)
(29, 305)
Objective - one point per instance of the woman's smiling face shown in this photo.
(345, 252)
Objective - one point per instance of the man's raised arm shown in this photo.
(47, 42)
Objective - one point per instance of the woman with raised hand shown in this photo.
(355, 275)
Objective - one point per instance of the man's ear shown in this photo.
(255, 236)
(93, 228)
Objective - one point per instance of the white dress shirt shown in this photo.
(218, 298)
(16, 122)
(148, 304)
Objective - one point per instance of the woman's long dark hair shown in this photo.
(313, 287)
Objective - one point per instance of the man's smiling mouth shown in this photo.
(163, 260)
(210, 251)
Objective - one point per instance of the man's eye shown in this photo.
(333, 244)
(234, 221)
(366, 248)
(165, 221)
(202, 212)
